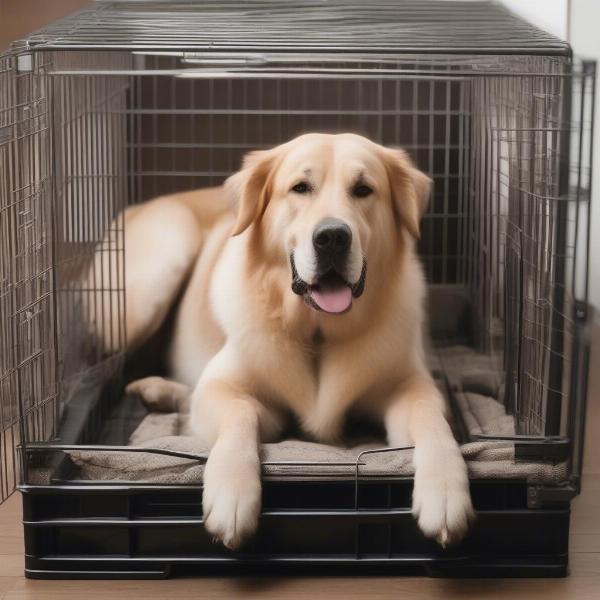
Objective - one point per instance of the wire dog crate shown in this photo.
(125, 101)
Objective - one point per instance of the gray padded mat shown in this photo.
(471, 376)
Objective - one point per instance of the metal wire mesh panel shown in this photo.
(27, 342)
(513, 255)
(436, 26)
(524, 238)
(90, 135)
(193, 133)
(63, 183)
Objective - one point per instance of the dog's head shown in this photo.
(332, 207)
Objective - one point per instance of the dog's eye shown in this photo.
(301, 188)
(361, 191)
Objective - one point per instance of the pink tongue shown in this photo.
(333, 300)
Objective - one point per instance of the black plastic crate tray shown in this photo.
(116, 531)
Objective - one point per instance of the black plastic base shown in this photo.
(178, 566)
(110, 532)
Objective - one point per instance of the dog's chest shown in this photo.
(315, 353)
(318, 379)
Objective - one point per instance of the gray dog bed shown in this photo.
(471, 377)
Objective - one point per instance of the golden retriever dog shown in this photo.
(296, 289)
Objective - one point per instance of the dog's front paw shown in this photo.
(231, 499)
(441, 499)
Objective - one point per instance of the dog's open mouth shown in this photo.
(331, 293)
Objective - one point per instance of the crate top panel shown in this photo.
(397, 26)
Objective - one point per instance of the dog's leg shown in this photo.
(161, 395)
(232, 422)
(441, 498)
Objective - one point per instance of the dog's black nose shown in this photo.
(332, 236)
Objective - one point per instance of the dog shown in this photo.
(296, 289)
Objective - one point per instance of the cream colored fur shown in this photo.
(253, 351)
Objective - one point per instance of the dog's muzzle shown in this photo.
(331, 293)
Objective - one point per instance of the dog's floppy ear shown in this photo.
(410, 189)
(249, 188)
